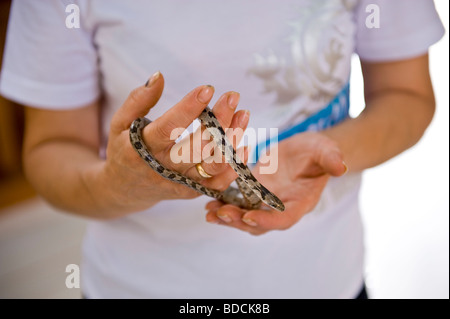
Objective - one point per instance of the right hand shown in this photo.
(130, 181)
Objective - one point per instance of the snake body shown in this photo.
(250, 194)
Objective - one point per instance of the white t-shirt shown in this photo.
(287, 59)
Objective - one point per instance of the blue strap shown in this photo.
(336, 111)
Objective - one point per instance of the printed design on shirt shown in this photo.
(321, 44)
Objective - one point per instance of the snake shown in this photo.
(250, 193)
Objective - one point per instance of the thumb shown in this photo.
(332, 162)
(138, 103)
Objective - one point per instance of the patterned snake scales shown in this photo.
(253, 193)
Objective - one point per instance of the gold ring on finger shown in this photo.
(201, 171)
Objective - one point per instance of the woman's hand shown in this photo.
(61, 152)
(132, 182)
(306, 161)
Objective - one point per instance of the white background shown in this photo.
(405, 202)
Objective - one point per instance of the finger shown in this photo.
(332, 161)
(211, 217)
(237, 127)
(181, 115)
(218, 182)
(201, 143)
(216, 164)
(201, 146)
(222, 180)
(213, 205)
(272, 219)
(242, 153)
(212, 208)
(225, 107)
(225, 214)
(230, 213)
(231, 216)
(138, 103)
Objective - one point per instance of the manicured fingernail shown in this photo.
(249, 222)
(225, 218)
(152, 79)
(243, 120)
(233, 100)
(346, 167)
(206, 94)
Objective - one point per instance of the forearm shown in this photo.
(392, 122)
(71, 176)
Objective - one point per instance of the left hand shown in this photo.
(306, 161)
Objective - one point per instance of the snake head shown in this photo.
(275, 203)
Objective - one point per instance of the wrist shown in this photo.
(110, 198)
(95, 183)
